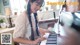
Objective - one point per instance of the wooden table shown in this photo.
(72, 37)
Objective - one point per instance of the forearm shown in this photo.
(21, 40)
(43, 31)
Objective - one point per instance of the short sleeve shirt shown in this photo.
(22, 27)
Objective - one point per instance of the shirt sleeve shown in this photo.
(20, 27)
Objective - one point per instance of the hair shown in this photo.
(64, 6)
(35, 15)
(40, 2)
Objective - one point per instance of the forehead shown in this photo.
(37, 3)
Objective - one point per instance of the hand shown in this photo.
(43, 38)
(35, 42)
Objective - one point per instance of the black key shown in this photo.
(52, 39)
(51, 44)
(52, 36)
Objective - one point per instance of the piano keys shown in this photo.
(51, 40)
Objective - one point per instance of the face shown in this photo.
(35, 7)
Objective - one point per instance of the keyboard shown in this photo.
(51, 40)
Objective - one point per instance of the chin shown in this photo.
(34, 11)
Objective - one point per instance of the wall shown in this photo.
(1, 8)
(45, 15)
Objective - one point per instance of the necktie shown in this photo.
(36, 21)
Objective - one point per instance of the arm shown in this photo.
(25, 41)
(43, 31)
(21, 40)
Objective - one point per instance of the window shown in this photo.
(0, 7)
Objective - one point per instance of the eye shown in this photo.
(37, 4)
